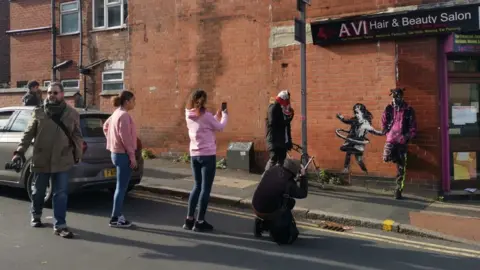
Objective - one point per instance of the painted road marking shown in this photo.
(308, 226)
(387, 225)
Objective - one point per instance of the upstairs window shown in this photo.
(109, 13)
(71, 84)
(112, 80)
(69, 18)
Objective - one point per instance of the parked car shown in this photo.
(95, 171)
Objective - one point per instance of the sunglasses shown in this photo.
(52, 93)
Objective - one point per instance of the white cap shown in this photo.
(284, 94)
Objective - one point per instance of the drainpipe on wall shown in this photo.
(54, 43)
(80, 61)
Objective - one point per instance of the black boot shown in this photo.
(398, 194)
(258, 228)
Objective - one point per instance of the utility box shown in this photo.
(241, 156)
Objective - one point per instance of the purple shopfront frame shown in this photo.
(448, 45)
(445, 46)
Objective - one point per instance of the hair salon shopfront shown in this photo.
(437, 60)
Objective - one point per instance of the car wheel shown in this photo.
(30, 185)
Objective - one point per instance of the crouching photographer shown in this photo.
(55, 126)
(274, 200)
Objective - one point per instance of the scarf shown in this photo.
(53, 108)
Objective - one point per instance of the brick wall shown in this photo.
(418, 73)
(219, 46)
(4, 43)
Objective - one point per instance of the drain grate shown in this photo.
(332, 226)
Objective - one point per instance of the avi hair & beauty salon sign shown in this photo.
(421, 22)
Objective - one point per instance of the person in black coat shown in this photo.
(33, 97)
(275, 183)
(279, 137)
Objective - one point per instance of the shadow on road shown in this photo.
(233, 245)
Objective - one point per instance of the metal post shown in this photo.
(54, 42)
(80, 61)
(303, 72)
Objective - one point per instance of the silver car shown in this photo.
(95, 171)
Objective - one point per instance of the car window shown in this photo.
(92, 125)
(21, 122)
(4, 118)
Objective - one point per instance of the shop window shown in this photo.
(464, 65)
(69, 18)
(71, 84)
(464, 132)
(112, 80)
(109, 13)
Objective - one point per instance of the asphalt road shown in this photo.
(159, 242)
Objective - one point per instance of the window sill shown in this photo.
(95, 30)
(110, 92)
(69, 34)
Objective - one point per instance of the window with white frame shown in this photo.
(112, 80)
(71, 84)
(109, 13)
(69, 18)
(46, 84)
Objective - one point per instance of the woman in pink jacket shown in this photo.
(121, 137)
(202, 126)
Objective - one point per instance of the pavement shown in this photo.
(158, 241)
(353, 206)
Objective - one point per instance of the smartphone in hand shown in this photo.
(224, 106)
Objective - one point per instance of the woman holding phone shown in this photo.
(202, 126)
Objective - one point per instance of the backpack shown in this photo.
(283, 229)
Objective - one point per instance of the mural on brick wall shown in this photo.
(399, 125)
(356, 137)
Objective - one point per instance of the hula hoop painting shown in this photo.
(356, 138)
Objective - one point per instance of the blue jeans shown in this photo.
(60, 196)
(204, 168)
(124, 173)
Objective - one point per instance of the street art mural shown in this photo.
(356, 137)
(399, 125)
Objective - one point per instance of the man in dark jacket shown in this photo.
(279, 137)
(399, 125)
(269, 195)
(34, 95)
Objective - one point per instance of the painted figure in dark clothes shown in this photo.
(360, 126)
(399, 124)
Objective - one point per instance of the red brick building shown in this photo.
(104, 46)
(244, 53)
(4, 44)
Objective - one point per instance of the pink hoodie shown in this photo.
(201, 130)
(121, 134)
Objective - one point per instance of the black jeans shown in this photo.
(204, 169)
(277, 156)
(397, 153)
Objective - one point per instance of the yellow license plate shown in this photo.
(110, 173)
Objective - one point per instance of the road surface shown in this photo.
(159, 242)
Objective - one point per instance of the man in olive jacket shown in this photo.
(54, 154)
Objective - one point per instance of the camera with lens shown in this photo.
(14, 166)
